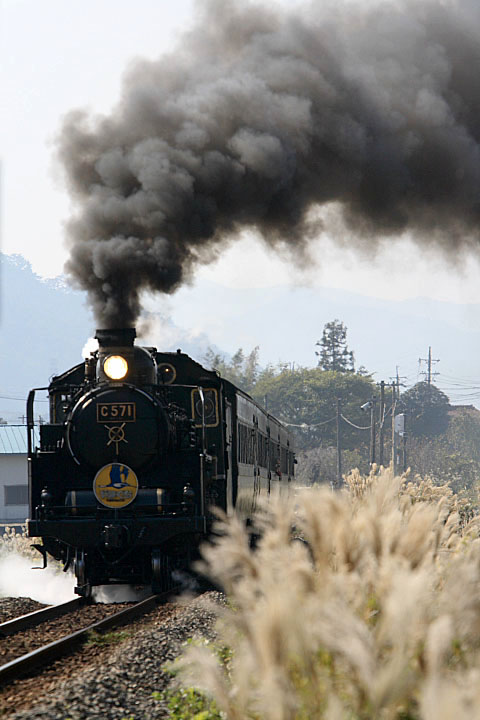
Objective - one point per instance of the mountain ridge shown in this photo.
(44, 324)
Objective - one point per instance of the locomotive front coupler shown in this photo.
(114, 537)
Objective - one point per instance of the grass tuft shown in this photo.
(108, 638)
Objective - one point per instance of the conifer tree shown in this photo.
(334, 353)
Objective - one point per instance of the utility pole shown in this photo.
(394, 405)
(339, 443)
(396, 385)
(397, 379)
(382, 417)
(428, 372)
(400, 443)
(404, 442)
(373, 429)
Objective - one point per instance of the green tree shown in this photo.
(307, 398)
(427, 410)
(334, 353)
(242, 370)
(453, 456)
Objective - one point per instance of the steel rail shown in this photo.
(47, 654)
(23, 622)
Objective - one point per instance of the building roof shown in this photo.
(469, 409)
(13, 439)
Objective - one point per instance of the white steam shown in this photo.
(18, 578)
(90, 346)
(120, 593)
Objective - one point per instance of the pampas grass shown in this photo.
(12, 541)
(359, 604)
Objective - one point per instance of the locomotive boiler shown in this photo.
(140, 448)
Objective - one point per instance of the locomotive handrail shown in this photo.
(30, 418)
(203, 455)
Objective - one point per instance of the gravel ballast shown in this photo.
(15, 607)
(121, 685)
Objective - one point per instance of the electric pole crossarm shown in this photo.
(428, 372)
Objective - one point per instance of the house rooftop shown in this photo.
(464, 408)
(13, 439)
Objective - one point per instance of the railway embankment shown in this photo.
(121, 674)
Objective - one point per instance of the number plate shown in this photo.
(116, 412)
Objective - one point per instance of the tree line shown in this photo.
(306, 399)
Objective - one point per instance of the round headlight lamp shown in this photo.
(115, 367)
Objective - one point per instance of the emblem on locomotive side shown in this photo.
(115, 485)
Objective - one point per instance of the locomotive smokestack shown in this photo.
(264, 115)
(116, 355)
(118, 337)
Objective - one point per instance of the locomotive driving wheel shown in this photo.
(83, 586)
(161, 572)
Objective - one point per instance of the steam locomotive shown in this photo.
(139, 450)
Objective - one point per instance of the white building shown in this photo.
(13, 474)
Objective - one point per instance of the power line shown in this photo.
(358, 427)
(306, 426)
(22, 399)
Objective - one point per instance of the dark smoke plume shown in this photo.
(260, 116)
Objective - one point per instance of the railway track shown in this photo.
(48, 653)
(32, 619)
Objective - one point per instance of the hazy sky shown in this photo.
(59, 55)
(56, 56)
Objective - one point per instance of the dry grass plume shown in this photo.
(373, 611)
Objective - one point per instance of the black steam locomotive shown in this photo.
(140, 448)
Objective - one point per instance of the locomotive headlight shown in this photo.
(115, 367)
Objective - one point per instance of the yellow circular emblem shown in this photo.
(115, 485)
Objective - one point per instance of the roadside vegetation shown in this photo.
(375, 613)
(371, 609)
